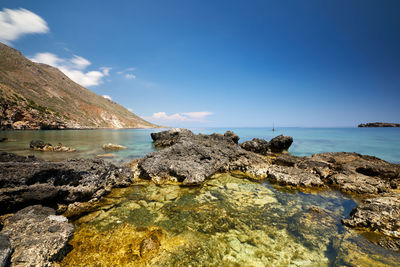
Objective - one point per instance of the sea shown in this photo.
(383, 143)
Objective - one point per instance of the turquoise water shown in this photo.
(381, 142)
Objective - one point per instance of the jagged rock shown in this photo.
(235, 138)
(40, 145)
(27, 181)
(170, 137)
(110, 146)
(381, 214)
(38, 237)
(5, 250)
(193, 158)
(280, 143)
(256, 145)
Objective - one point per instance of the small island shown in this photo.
(379, 124)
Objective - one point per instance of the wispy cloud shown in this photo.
(130, 76)
(180, 117)
(74, 68)
(17, 22)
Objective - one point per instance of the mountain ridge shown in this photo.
(39, 96)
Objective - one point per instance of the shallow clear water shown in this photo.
(381, 142)
(229, 221)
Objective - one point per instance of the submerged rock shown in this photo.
(38, 237)
(110, 146)
(280, 143)
(40, 145)
(26, 181)
(256, 145)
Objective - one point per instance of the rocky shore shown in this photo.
(31, 188)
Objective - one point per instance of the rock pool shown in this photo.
(228, 221)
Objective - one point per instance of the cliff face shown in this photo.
(38, 96)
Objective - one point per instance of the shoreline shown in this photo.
(370, 180)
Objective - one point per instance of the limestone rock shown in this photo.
(280, 143)
(110, 146)
(38, 237)
(5, 250)
(170, 137)
(193, 158)
(26, 180)
(256, 145)
(381, 214)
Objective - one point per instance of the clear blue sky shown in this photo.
(235, 63)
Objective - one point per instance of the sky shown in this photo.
(222, 63)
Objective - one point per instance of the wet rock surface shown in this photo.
(40, 145)
(5, 250)
(38, 236)
(26, 181)
(110, 146)
(228, 221)
(380, 214)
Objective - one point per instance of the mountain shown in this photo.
(38, 96)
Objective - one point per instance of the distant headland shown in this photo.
(379, 124)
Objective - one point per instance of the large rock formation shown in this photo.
(26, 181)
(38, 236)
(256, 145)
(280, 143)
(193, 158)
(38, 96)
(170, 137)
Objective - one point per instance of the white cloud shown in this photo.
(105, 70)
(130, 76)
(73, 68)
(130, 69)
(181, 117)
(80, 62)
(17, 22)
(107, 97)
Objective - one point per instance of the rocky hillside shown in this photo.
(38, 96)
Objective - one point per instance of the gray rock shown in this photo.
(193, 158)
(28, 181)
(280, 143)
(294, 177)
(170, 137)
(38, 237)
(5, 250)
(234, 137)
(256, 145)
(381, 214)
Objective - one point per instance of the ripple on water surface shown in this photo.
(229, 221)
